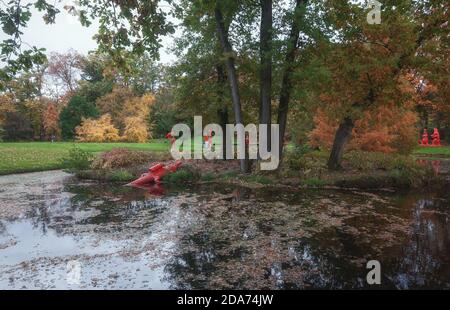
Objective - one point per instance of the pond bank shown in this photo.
(220, 172)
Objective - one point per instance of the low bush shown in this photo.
(121, 175)
(186, 174)
(207, 177)
(77, 159)
(123, 158)
(369, 161)
(294, 157)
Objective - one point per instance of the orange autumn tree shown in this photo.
(51, 120)
(387, 130)
(367, 64)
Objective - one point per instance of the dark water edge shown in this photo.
(217, 236)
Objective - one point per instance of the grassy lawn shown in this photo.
(18, 157)
(444, 150)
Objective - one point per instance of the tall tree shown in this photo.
(265, 46)
(289, 66)
(231, 72)
(65, 69)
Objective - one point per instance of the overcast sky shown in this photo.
(68, 33)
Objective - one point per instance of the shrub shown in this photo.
(121, 175)
(295, 157)
(366, 161)
(77, 159)
(122, 158)
(228, 175)
(207, 177)
(186, 174)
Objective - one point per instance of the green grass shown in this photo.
(16, 157)
(443, 150)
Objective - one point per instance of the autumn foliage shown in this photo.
(387, 130)
(101, 130)
(135, 129)
(51, 120)
(125, 118)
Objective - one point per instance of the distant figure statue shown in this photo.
(436, 138)
(424, 141)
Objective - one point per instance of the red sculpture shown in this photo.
(436, 138)
(424, 141)
(171, 138)
(155, 174)
(208, 140)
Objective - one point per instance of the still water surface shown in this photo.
(216, 236)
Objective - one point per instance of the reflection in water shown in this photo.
(155, 189)
(222, 237)
(427, 252)
(440, 167)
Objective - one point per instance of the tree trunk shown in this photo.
(286, 84)
(231, 72)
(265, 74)
(222, 112)
(341, 138)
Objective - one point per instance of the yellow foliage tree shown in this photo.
(138, 106)
(113, 103)
(97, 130)
(135, 130)
(128, 113)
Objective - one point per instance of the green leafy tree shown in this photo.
(14, 16)
(71, 116)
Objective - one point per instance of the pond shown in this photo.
(53, 227)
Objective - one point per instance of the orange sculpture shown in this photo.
(436, 138)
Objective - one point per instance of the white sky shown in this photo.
(67, 33)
